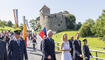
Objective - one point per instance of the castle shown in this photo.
(55, 22)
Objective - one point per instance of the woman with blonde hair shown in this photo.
(65, 48)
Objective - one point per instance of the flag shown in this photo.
(43, 33)
(24, 35)
(23, 19)
(15, 11)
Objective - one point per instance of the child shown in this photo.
(86, 51)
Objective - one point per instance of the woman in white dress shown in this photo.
(65, 48)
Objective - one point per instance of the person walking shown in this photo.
(3, 51)
(86, 50)
(65, 48)
(34, 42)
(48, 47)
(77, 53)
(17, 49)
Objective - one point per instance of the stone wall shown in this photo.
(55, 22)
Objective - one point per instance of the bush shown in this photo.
(87, 27)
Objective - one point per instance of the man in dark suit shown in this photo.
(77, 53)
(42, 46)
(3, 51)
(71, 44)
(42, 43)
(17, 48)
(86, 51)
(48, 47)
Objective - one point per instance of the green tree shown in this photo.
(1, 23)
(33, 24)
(86, 29)
(70, 21)
(100, 25)
(9, 23)
(78, 26)
(5, 23)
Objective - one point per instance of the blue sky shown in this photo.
(82, 9)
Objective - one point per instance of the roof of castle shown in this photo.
(44, 7)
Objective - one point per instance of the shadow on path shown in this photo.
(36, 54)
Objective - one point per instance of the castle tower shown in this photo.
(44, 11)
(55, 22)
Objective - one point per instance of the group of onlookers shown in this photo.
(71, 49)
(12, 47)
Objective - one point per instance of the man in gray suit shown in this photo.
(3, 51)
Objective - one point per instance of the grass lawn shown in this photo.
(94, 43)
(6, 28)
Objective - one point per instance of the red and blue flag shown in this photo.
(43, 33)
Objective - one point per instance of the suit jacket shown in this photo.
(71, 46)
(48, 48)
(7, 39)
(86, 51)
(16, 51)
(3, 51)
(77, 50)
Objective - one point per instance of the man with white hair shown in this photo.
(48, 47)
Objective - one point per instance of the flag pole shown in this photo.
(23, 19)
(15, 12)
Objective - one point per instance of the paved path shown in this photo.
(36, 55)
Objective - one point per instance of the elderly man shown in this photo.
(3, 52)
(17, 48)
(48, 47)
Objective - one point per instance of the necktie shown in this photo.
(78, 42)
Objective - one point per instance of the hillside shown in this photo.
(6, 28)
(94, 43)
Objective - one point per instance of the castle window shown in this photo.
(61, 21)
(48, 16)
(58, 24)
(62, 15)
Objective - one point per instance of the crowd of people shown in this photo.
(12, 47)
(71, 49)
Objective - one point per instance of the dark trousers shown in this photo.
(87, 59)
(52, 58)
(33, 46)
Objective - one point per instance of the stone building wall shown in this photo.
(55, 22)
